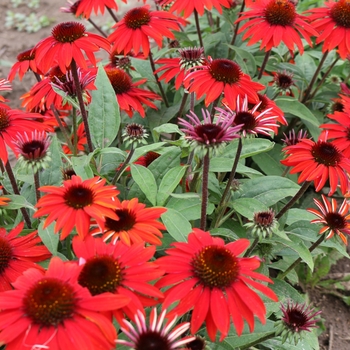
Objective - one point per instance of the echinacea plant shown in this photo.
(189, 162)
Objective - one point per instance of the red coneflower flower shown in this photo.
(263, 225)
(187, 7)
(119, 269)
(178, 67)
(335, 221)
(339, 132)
(273, 21)
(249, 121)
(74, 204)
(155, 335)
(51, 310)
(19, 254)
(129, 96)
(283, 81)
(221, 76)
(4, 86)
(333, 23)
(25, 62)
(133, 134)
(293, 138)
(140, 24)
(296, 318)
(147, 159)
(13, 121)
(319, 161)
(208, 276)
(134, 224)
(85, 7)
(81, 140)
(208, 135)
(68, 40)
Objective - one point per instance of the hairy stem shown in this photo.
(119, 173)
(157, 80)
(205, 178)
(266, 59)
(196, 18)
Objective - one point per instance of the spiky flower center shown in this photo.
(121, 81)
(49, 302)
(284, 80)
(127, 220)
(215, 266)
(225, 71)
(264, 218)
(33, 149)
(326, 153)
(197, 344)
(335, 221)
(4, 119)
(78, 196)
(68, 32)
(247, 120)
(101, 274)
(68, 173)
(150, 157)
(296, 319)
(5, 254)
(55, 74)
(209, 134)
(280, 12)
(340, 13)
(152, 340)
(135, 130)
(27, 55)
(136, 18)
(191, 57)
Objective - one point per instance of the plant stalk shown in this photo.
(37, 184)
(119, 173)
(196, 18)
(266, 59)
(157, 80)
(205, 181)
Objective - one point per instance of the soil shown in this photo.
(335, 313)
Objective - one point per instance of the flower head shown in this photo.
(19, 253)
(333, 23)
(251, 122)
(51, 310)
(134, 133)
(208, 276)
(207, 135)
(75, 203)
(25, 62)
(33, 150)
(156, 335)
(293, 138)
(221, 76)
(318, 161)
(333, 220)
(283, 81)
(134, 224)
(130, 97)
(273, 21)
(296, 319)
(68, 41)
(118, 269)
(13, 121)
(264, 223)
(140, 24)
(85, 7)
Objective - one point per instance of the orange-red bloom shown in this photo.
(319, 161)
(135, 223)
(221, 76)
(85, 7)
(52, 311)
(74, 204)
(273, 21)
(334, 221)
(140, 24)
(13, 121)
(68, 41)
(333, 23)
(4, 200)
(4, 86)
(130, 97)
(119, 269)
(19, 254)
(208, 276)
(187, 7)
(25, 62)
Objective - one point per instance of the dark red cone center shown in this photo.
(78, 197)
(137, 17)
(280, 12)
(340, 13)
(225, 70)
(68, 32)
(326, 153)
(127, 220)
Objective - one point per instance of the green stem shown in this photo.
(157, 80)
(311, 84)
(75, 129)
(119, 173)
(298, 195)
(196, 18)
(225, 196)
(81, 104)
(266, 59)
(236, 28)
(252, 247)
(268, 336)
(205, 181)
(37, 185)
(12, 178)
(296, 262)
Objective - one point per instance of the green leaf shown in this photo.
(169, 182)
(251, 147)
(307, 65)
(143, 67)
(104, 114)
(49, 238)
(269, 162)
(295, 214)
(285, 291)
(245, 59)
(294, 107)
(17, 202)
(269, 189)
(66, 97)
(146, 181)
(177, 225)
(189, 207)
(81, 166)
(140, 151)
(225, 164)
(167, 128)
(248, 206)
